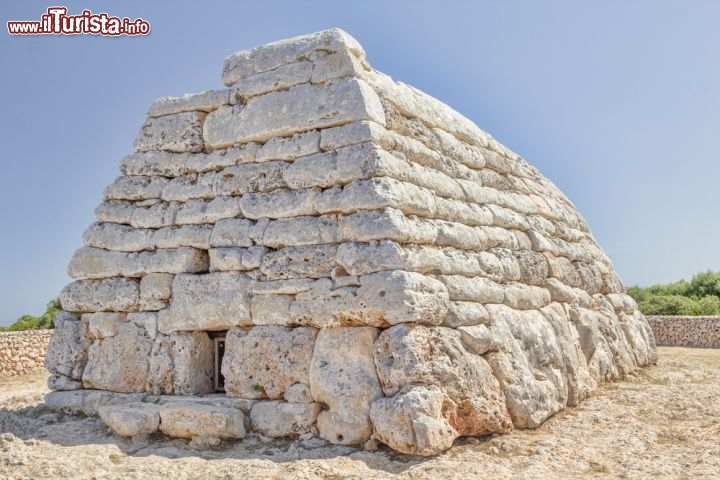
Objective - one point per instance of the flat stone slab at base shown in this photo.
(203, 419)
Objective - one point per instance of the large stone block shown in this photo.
(289, 148)
(197, 211)
(251, 177)
(314, 261)
(342, 376)
(108, 295)
(135, 188)
(528, 365)
(461, 395)
(302, 230)
(193, 102)
(213, 301)
(329, 169)
(115, 212)
(161, 163)
(298, 109)
(273, 55)
(195, 236)
(179, 132)
(201, 421)
(275, 418)
(280, 78)
(119, 363)
(382, 299)
(416, 421)
(231, 232)
(114, 236)
(67, 351)
(155, 216)
(91, 262)
(280, 203)
(104, 324)
(234, 259)
(136, 420)
(264, 361)
(183, 188)
(181, 363)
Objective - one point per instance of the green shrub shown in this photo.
(700, 296)
(29, 322)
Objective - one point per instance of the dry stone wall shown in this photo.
(383, 269)
(23, 352)
(686, 331)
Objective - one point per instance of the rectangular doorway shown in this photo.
(219, 347)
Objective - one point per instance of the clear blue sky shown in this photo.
(617, 102)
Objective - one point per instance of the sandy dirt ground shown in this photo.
(663, 422)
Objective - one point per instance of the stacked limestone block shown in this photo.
(383, 268)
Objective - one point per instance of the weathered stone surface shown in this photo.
(67, 351)
(155, 287)
(88, 402)
(105, 372)
(198, 211)
(135, 188)
(195, 236)
(382, 299)
(302, 230)
(289, 148)
(280, 203)
(91, 262)
(181, 364)
(343, 63)
(313, 261)
(115, 212)
(528, 365)
(298, 393)
(165, 164)
(271, 56)
(232, 259)
(275, 418)
(251, 178)
(145, 320)
(415, 420)
(205, 421)
(280, 78)
(342, 375)
(103, 324)
(299, 109)
(60, 382)
(182, 189)
(231, 232)
(264, 361)
(219, 159)
(108, 295)
(465, 313)
(155, 216)
(193, 102)
(137, 420)
(469, 396)
(213, 301)
(180, 132)
(114, 236)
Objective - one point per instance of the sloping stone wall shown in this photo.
(23, 352)
(383, 269)
(686, 331)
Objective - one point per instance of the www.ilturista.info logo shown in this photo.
(57, 22)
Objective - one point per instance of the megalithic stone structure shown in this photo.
(378, 267)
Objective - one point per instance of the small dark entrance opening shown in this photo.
(219, 347)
